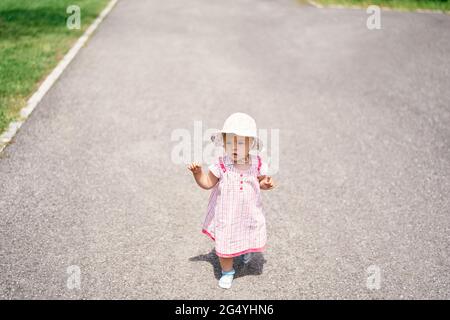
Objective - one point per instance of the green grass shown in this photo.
(442, 5)
(33, 38)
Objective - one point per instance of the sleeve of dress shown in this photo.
(215, 169)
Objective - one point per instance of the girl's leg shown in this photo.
(226, 263)
(227, 272)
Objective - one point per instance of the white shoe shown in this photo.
(226, 279)
(247, 257)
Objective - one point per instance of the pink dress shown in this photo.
(235, 218)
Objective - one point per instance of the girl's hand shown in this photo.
(267, 183)
(195, 167)
(205, 181)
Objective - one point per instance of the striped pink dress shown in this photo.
(235, 220)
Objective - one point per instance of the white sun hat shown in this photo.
(240, 124)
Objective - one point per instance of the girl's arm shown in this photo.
(205, 181)
(265, 182)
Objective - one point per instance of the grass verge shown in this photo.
(33, 38)
(440, 5)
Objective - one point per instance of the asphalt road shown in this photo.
(364, 173)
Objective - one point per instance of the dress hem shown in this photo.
(231, 255)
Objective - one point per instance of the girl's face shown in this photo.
(237, 147)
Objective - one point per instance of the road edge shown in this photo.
(14, 126)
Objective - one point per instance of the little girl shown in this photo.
(235, 220)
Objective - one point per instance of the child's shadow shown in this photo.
(254, 267)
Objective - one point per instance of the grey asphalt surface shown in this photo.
(364, 176)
